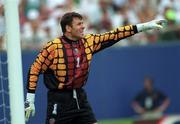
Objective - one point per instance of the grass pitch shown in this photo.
(117, 121)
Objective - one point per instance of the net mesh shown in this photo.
(4, 91)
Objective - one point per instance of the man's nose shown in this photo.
(83, 27)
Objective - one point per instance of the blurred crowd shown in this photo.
(39, 19)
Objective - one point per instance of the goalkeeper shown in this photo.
(64, 63)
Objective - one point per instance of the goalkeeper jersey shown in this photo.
(65, 63)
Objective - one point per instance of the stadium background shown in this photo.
(116, 73)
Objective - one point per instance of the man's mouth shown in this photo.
(82, 32)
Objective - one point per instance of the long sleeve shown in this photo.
(41, 63)
(98, 42)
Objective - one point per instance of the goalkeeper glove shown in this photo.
(29, 105)
(154, 24)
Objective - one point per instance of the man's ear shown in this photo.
(68, 28)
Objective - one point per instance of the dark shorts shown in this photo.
(62, 108)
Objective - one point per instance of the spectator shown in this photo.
(2, 29)
(150, 101)
(32, 33)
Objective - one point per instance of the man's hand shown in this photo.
(29, 105)
(154, 24)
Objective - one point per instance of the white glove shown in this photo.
(29, 105)
(154, 24)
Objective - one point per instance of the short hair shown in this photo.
(67, 19)
(149, 78)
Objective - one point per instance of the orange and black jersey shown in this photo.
(65, 63)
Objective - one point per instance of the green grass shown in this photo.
(117, 121)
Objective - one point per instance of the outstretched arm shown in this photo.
(98, 42)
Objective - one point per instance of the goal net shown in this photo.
(4, 91)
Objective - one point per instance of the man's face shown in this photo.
(77, 28)
(148, 84)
